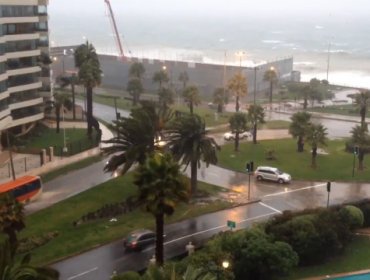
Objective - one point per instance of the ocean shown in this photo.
(310, 40)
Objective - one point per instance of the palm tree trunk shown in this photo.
(236, 143)
(89, 105)
(361, 157)
(57, 118)
(237, 104)
(193, 176)
(314, 154)
(73, 101)
(270, 97)
(13, 240)
(255, 133)
(159, 224)
(219, 108)
(300, 144)
(191, 107)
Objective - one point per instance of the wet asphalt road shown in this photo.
(101, 262)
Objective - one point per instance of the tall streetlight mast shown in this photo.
(121, 54)
(328, 63)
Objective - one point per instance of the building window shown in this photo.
(18, 11)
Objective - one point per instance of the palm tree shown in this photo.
(137, 136)
(9, 270)
(361, 139)
(191, 96)
(189, 142)
(271, 77)
(160, 77)
(256, 115)
(238, 124)
(306, 92)
(137, 70)
(11, 219)
(165, 97)
(362, 101)
(72, 81)
(61, 101)
(89, 74)
(238, 87)
(161, 186)
(184, 78)
(220, 98)
(316, 135)
(297, 128)
(135, 88)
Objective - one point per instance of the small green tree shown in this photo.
(361, 139)
(135, 88)
(220, 98)
(316, 136)
(72, 81)
(160, 77)
(165, 97)
(238, 124)
(161, 186)
(184, 79)
(271, 77)
(191, 97)
(362, 101)
(237, 85)
(256, 115)
(137, 70)
(61, 102)
(297, 128)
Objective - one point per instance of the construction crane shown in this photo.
(121, 54)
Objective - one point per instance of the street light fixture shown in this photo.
(225, 264)
(240, 54)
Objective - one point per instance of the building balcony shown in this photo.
(4, 95)
(22, 37)
(25, 103)
(23, 54)
(5, 122)
(28, 19)
(31, 86)
(22, 71)
(4, 113)
(26, 119)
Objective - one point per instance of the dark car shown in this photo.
(139, 239)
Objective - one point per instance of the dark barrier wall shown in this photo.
(205, 76)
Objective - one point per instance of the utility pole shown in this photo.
(328, 62)
(10, 155)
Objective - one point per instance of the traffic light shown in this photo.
(328, 186)
(251, 166)
(356, 150)
(248, 167)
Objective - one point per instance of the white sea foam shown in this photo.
(344, 78)
(304, 63)
(271, 41)
(319, 27)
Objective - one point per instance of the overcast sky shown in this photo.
(334, 8)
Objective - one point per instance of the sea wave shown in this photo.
(272, 41)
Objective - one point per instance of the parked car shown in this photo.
(272, 174)
(139, 239)
(231, 135)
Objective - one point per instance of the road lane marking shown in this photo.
(270, 207)
(82, 273)
(218, 227)
(301, 189)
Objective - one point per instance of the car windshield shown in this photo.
(132, 237)
(279, 172)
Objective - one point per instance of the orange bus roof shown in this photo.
(17, 182)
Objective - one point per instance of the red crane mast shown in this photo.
(121, 54)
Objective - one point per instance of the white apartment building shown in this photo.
(24, 63)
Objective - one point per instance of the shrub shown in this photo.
(301, 234)
(33, 242)
(353, 216)
(259, 257)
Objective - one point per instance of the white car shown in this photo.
(272, 174)
(231, 135)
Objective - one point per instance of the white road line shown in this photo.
(218, 227)
(270, 207)
(301, 189)
(82, 273)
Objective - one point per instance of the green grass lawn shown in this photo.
(72, 240)
(337, 166)
(346, 110)
(76, 140)
(277, 124)
(355, 257)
